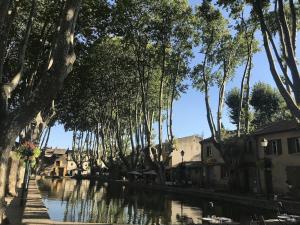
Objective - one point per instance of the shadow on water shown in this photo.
(95, 201)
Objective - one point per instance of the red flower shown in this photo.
(29, 145)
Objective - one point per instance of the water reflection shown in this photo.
(87, 201)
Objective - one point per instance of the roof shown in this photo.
(55, 151)
(276, 127)
(189, 137)
(207, 140)
(58, 151)
(193, 163)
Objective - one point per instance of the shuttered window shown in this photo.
(208, 151)
(224, 171)
(294, 145)
(274, 147)
(279, 147)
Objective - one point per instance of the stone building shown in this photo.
(214, 174)
(280, 160)
(59, 162)
(191, 147)
(54, 162)
(185, 161)
(267, 160)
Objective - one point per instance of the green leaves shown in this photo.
(232, 101)
(268, 104)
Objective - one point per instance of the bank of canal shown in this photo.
(101, 202)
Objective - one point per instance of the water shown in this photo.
(85, 201)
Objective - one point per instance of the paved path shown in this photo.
(35, 212)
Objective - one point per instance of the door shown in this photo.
(61, 171)
(269, 182)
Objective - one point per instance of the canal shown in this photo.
(87, 201)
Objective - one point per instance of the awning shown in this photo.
(150, 172)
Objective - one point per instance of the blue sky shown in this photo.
(189, 110)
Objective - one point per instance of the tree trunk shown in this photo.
(3, 179)
(292, 102)
(160, 104)
(13, 174)
(247, 98)
(220, 109)
(244, 83)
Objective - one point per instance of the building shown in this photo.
(185, 162)
(54, 162)
(191, 148)
(72, 168)
(214, 174)
(265, 161)
(59, 162)
(279, 161)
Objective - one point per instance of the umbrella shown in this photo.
(134, 173)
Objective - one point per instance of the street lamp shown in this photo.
(182, 154)
(267, 169)
(32, 129)
(181, 167)
(26, 178)
(264, 143)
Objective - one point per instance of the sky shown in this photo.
(189, 111)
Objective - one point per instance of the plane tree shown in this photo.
(267, 105)
(159, 35)
(220, 56)
(279, 24)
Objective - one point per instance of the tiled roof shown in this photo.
(55, 151)
(280, 126)
(58, 151)
(207, 140)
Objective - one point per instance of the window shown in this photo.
(294, 145)
(274, 147)
(224, 172)
(71, 164)
(57, 163)
(249, 147)
(208, 151)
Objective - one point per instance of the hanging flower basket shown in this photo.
(28, 151)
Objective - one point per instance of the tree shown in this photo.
(282, 54)
(220, 58)
(268, 105)
(128, 79)
(21, 98)
(159, 34)
(232, 101)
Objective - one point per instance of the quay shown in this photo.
(290, 206)
(34, 212)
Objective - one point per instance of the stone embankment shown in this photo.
(290, 206)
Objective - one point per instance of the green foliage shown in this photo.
(28, 151)
(266, 101)
(268, 104)
(232, 101)
(114, 90)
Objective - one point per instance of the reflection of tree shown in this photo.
(98, 202)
